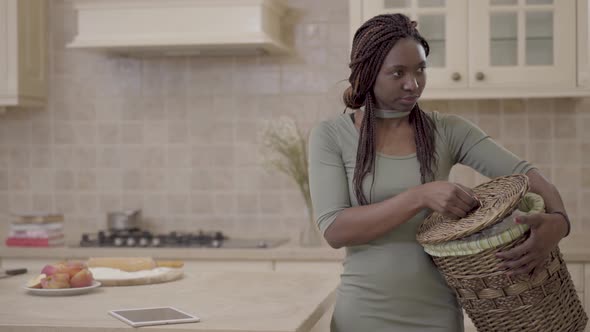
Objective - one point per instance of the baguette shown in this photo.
(129, 264)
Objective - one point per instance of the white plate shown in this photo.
(63, 291)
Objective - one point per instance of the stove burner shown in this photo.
(139, 238)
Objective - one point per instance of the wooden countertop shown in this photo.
(225, 301)
(575, 248)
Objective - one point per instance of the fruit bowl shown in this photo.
(62, 278)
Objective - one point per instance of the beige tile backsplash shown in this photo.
(180, 137)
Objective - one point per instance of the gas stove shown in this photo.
(136, 238)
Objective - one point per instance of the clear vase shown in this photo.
(310, 234)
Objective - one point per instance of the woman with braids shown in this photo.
(376, 173)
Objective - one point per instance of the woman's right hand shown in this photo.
(449, 199)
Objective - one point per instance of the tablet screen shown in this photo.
(153, 316)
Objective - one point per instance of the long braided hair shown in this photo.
(371, 43)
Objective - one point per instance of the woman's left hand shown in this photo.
(546, 231)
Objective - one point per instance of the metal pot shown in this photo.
(124, 220)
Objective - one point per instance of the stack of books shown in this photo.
(36, 230)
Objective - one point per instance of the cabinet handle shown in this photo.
(479, 76)
(456, 76)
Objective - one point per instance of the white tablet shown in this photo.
(153, 316)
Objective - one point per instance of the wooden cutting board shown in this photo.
(114, 277)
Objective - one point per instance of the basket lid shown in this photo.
(498, 199)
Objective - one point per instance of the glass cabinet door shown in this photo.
(443, 23)
(521, 41)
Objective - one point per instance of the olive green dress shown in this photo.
(390, 284)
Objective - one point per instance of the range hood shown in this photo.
(181, 27)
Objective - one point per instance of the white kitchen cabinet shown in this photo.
(496, 48)
(522, 43)
(23, 79)
(442, 24)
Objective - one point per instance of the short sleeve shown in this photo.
(327, 176)
(471, 146)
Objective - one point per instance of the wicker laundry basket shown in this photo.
(493, 300)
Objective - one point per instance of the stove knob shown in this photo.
(144, 241)
(156, 241)
(262, 244)
(216, 243)
(118, 241)
(130, 241)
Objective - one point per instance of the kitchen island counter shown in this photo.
(225, 301)
(288, 258)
